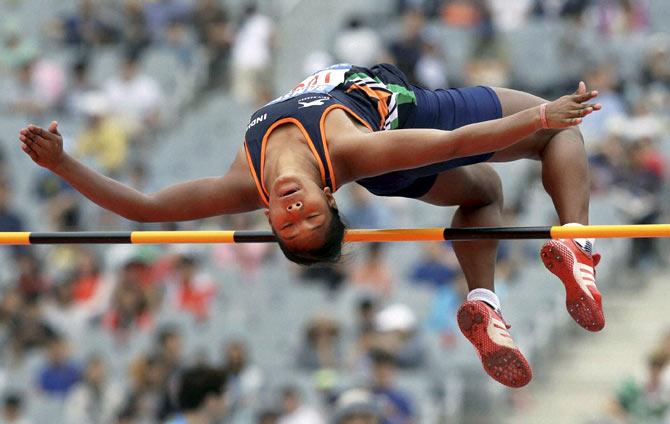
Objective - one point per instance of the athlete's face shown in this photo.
(299, 211)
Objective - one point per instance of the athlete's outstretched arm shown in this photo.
(181, 202)
(412, 148)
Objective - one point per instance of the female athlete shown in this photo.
(371, 126)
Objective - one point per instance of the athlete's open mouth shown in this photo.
(289, 191)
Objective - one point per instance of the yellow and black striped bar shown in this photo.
(352, 236)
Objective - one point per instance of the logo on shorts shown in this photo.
(312, 101)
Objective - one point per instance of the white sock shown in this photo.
(485, 295)
(585, 243)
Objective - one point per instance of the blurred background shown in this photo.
(156, 92)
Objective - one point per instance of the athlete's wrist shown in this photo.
(540, 117)
(61, 166)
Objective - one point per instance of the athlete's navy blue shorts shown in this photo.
(444, 110)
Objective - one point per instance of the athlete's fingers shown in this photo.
(579, 113)
(43, 133)
(53, 127)
(35, 140)
(29, 151)
(581, 88)
(583, 97)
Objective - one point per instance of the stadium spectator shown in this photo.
(160, 13)
(398, 333)
(267, 416)
(364, 212)
(94, 399)
(169, 351)
(437, 265)
(245, 380)
(190, 289)
(87, 27)
(87, 284)
(442, 311)
(648, 401)
(147, 375)
(31, 280)
(374, 273)
(11, 307)
(79, 87)
(10, 218)
(396, 405)
(356, 406)
(102, 139)
(63, 314)
(134, 33)
(201, 396)
(130, 305)
(16, 49)
(60, 372)
(321, 345)
(619, 17)
(30, 330)
(656, 69)
(294, 411)
(134, 97)
(252, 54)
(643, 202)
(12, 410)
(608, 164)
(488, 61)
(461, 13)
(358, 43)
(247, 258)
(431, 69)
(36, 88)
(604, 77)
(406, 49)
(181, 41)
(510, 16)
(215, 32)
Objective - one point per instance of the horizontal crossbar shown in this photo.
(371, 235)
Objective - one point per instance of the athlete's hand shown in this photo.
(569, 110)
(45, 147)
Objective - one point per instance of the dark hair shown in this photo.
(382, 357)
(166, 333)
(13, 400)
(329, 252)
(197, 383)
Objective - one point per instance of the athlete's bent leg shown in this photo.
(477, 191)
(565, 173)
(566, 178)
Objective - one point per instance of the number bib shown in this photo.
(321, 82)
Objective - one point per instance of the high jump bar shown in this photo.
(370, 235)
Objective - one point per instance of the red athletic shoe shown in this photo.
(575, 268)
(487, 332)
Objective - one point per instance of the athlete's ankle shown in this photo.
(487, 296)
(585, 244)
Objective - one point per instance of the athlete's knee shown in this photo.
(486, 188)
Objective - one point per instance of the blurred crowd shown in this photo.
(51, 299)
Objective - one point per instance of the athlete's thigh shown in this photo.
(513, 101)
(471, 185)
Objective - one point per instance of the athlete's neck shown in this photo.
(289, 157)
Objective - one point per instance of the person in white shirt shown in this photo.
(135, 98)
(295, 412)
(252, 54)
